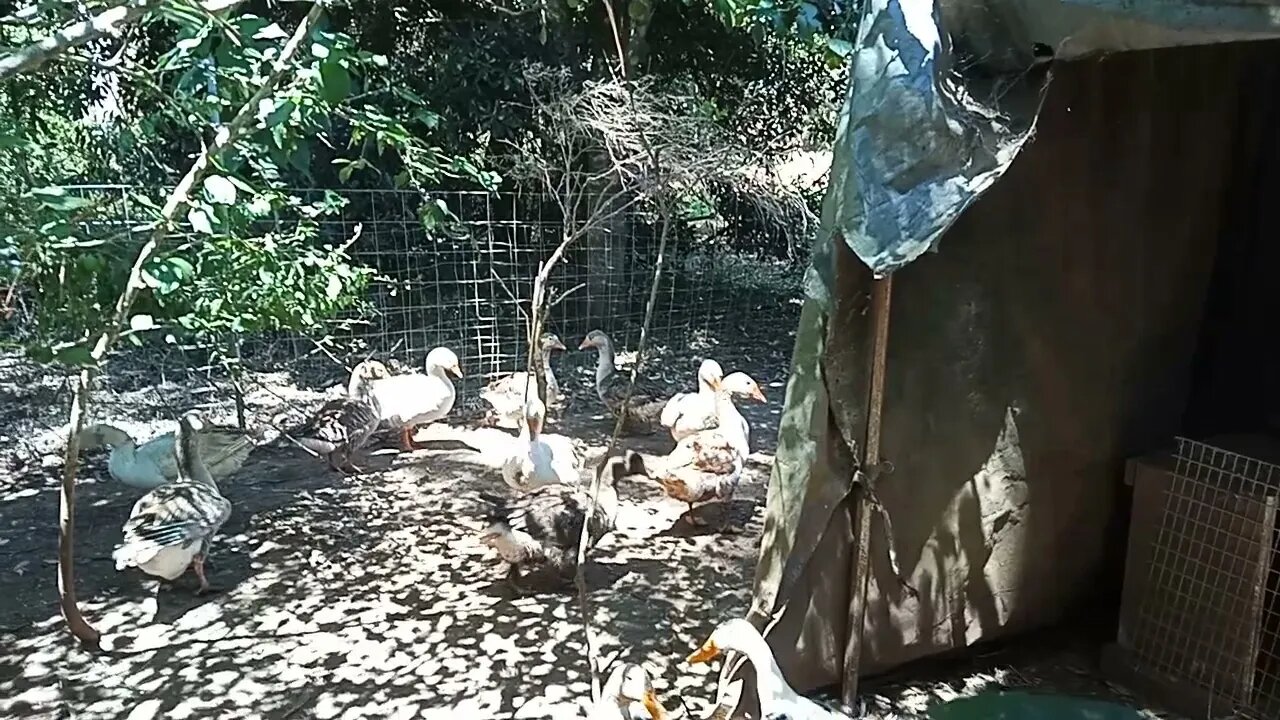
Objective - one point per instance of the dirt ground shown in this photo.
(347, 596)
(368, 596)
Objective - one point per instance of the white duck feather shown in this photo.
(778, 701)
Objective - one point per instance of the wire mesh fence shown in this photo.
(465, 283)
(1209, 612)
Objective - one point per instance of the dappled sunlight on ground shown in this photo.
(363, 596)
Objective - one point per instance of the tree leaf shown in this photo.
(279, 114)
(300, 158)
(220, 190)
(271, 32)
(142, 323)
(335, 82)
(259, 206)
(840, 47)
(333, 288)
(181, 267)
(199, 221)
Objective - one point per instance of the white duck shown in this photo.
(409, 400)
(627, 695)
(153, 463)
(740, 384)
(688, 413)
(506, 394)
(540, 459)
(170, 528)
(777, 700)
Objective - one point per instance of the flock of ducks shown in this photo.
(534, 528)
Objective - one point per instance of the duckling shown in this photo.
(152, 464)
(707, 465)
(171, 527)
(539, 530)
(407, 401)
(778, 701)
(627, 695)
(643, 409)
(506, 394)
(688, 413)
(540, 459)
(343, 425)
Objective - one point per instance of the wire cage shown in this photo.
(1201, 615)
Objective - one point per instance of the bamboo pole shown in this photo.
(881, 295)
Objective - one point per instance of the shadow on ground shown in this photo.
(362, 596)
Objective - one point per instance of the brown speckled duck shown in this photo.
(538, 531)
(707, 465)
(642, 412)
(342, 426)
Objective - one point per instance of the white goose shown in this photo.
(740, 384)
(540, 459)
(407, 401)
(777, 700)
(170, 528)
(688, 413)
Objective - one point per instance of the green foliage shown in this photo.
(244, 254)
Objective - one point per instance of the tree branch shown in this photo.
(179, 197)
(107, 22)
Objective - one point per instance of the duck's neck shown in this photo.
(190, 466)
(725, 409)
(358, 387)
(730, 422)
(770, 684)
(436, 371)
(124, 451)
(604, 363)
(546, 368)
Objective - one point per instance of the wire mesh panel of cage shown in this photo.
(464, 282)
(1201, 614)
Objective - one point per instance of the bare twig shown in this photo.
(107, 22)
(560, 298)
(514, 298)
(179, 197)
(655, 161)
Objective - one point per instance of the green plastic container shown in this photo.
(1017, 705)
